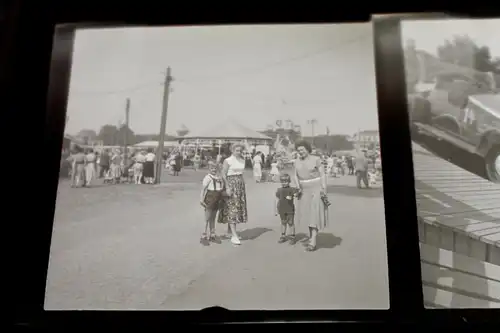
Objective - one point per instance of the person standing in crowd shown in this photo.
(361, 166)
(90, 168)
(275, 172)
(257, 167)
(378, 165)
(211, 195)
(350, 165)
(329, 165)
(116, 170)
(178, 164)
(196, 162)
(149, 167)
(285, 208)
(234, 205)
(77, 167)
(311, 180)
(139, 160)
(104, 163)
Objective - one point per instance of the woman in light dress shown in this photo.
(149, 167)
(90, 167)
(275, 172)
(116, 170)
(233, 208)
(257, 167)
(310, 177)
(77, 167)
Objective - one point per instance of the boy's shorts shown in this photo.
(287, 218)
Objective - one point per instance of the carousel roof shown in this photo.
(155, 144)
(228, 130)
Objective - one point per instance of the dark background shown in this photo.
(35, 126)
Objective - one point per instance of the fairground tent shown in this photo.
(227, 131)
(154, 144)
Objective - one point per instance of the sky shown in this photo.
(254, 75)
(428, 35)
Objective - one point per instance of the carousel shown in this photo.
(220, 137)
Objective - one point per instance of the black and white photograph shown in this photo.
(452, 71)
(233, 166)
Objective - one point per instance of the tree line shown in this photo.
(111, 135)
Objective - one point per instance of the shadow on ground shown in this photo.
(324, 241)
(356, 192)
(254, 233)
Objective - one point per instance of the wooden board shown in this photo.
(451, 280)
(455, 198)
(461, 263)
(447, 299)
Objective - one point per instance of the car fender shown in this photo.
(447, 119)
(488, 139)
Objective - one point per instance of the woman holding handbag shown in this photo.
(233, 207)
(312, 206)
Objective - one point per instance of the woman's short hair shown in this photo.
(305, 144)
(236, 145)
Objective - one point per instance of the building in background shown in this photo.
(369, 139)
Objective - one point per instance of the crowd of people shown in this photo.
(223, 194)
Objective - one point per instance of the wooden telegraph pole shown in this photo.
(125, 130)
(163, 126)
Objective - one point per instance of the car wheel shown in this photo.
(420, 110)
(492, 164)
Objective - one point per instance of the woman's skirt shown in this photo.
(257, 171)
(116, 171)
(311, 210)
(79, 173)
(149, 169)
(233, 209)
(90, 172)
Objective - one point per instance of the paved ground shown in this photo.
(137, 247)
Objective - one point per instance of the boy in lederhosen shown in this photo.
(211, 194)
(285, 208)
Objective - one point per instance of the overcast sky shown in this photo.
(254, 74)
(428, 35)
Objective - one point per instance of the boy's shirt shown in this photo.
(285, 199)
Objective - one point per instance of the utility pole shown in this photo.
(312, 122)
(125, 130)
(163, 126)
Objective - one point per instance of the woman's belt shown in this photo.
(309, 180)
(79, 162)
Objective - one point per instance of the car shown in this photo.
(464, 113)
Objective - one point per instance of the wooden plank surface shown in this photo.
(448, 299)
(455, 198)
(458, 262)
(462, 283)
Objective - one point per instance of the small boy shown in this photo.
(286, 209)
(211, 194)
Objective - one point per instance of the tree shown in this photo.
(125, 132)
(87, 135)
(465, 52)
(108, 134)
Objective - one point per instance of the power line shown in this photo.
(285, 61)
(119, 91)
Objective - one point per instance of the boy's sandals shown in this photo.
(215, 239)
(311, 248)
(204, 240)
(293, 240)
(282, 240)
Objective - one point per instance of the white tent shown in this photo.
(227, 131)
(154, 144)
